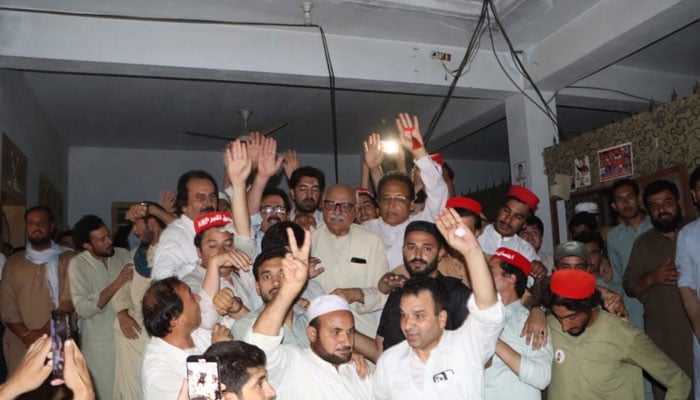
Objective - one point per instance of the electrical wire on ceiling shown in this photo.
(329, 64)
(544, 106)
(471, 48)
(488, 10)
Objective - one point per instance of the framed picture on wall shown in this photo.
(14, 172)
(50, 197)
(615, 162)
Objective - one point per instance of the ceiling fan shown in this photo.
(245, 115)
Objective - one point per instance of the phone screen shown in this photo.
(203, 378)
(60, 331)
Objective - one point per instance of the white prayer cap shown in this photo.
(586, 206)
(326, 304)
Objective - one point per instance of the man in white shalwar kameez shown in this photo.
(95, 275)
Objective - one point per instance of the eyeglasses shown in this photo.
(397, 198)
(330, 205)
(271, 209)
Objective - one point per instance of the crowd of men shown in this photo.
(395, 290)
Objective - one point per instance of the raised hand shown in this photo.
(373, 151)
(455, 232)
(167, 200)
(295, 265)
(136, 211)
(253, 143)
(268, 162)
(291, 162)
(409, 132)
(237, 163)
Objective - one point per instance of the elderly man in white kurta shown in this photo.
(396, 192)
(322, 371)
(353, 258)
(432, 363)
(516, 371)
(95, 275)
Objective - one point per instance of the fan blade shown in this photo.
(206, 135)
(269, 130)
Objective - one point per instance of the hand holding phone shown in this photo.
(60, 332)
(203, 378)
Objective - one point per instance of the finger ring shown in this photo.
(460, 232)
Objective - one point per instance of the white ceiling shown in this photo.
(116, 100)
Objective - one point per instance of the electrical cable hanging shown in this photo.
(519, 65)
(457, 74)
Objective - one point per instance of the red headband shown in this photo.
(464, 202)
(514, 258)
(438, 159)
(366, 192)
(525, 195)
(574, 284)
(210, 220)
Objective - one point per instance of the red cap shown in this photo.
(525, 195)
(464, 202)
(574, 284)
(366, 192)
(512, 257)
(438, 159)
(212, 219)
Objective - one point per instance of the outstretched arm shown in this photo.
(373, 157)
(463, 240)
(238, 167)
(268, 165)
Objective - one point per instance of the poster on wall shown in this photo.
(14, 172)
(50, 197)
(519, 173)
(615, 162)
(582, 172)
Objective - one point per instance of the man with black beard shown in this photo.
(34, 283)
(305, 188)
(95, 275)
(423, 247)
(596, 354)
(652, 277)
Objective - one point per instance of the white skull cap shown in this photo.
(326, 304)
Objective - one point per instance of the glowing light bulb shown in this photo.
(390, 147)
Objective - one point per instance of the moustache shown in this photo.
(343, 349)
(273, 220)
(420, 260)
(207, 209)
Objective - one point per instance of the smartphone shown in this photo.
(60, 332)
(203, 378)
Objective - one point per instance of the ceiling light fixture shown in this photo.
(307, 6)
